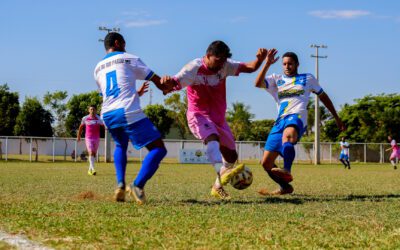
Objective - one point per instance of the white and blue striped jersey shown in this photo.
(292, 93)
(116, 77)
(345, 147)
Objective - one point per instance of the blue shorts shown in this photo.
(140, 133)
(344, 156)
(274, 140)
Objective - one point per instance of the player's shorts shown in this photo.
(344, 156)
(202, 127)
(395, 154)
(92, 144)
(274, 140)
(140, 133)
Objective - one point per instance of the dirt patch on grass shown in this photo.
(87, 195)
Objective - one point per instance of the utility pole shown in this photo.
(107, 137)
(317, 146)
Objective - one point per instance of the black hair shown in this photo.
(110, 38)
(219, 49)
(92, 106)
(291, 55)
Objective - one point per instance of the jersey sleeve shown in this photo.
(314, 85)
(83, 120)
(142, 72)
(100, 121)
(269, 84)
(186, 76)
(232, 67)
(393, 143)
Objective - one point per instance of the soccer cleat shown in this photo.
(137, 193)
(395, 167)
(282, 174)
(119, 194)
(220, 193)
(89, 172)
(94, 172)
(282, 191)
(228, 174)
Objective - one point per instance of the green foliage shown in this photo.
(78, 107)
(259, 130)
(370, 119)
(33, 120)
(239, 120)
(9, 109)
(58, 106)
(159, 115)
(178, 106)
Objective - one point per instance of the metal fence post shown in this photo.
(365, 152)
(30, 150)
(330, 153)
(6, 148)
(54, 148)
(76, 148)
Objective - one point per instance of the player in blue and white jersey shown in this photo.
(116, 77)
(344, 153)
(291, 91)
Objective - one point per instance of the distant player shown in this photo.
(116, 77)
(344, 153)
(394, 157)
(291, 91)
(92, 123)
(205, 79)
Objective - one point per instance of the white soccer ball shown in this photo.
(242, 180)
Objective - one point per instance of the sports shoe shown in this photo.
(227, 175)
(282, 191)
(395, 167)
(220, 193)
(119, 194)
(282, 174)
(137, 193)
(89, 172)
(94, 172)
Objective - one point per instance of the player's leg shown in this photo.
(120, 159)
(89, 148)
(94, 145)
(144, 134)
(392, 159)
(341, 158)
(347, 161)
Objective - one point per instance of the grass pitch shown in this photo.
(60, 206)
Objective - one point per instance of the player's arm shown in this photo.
(329, 105)
(269, 60)
(78, 136)
(253, 66)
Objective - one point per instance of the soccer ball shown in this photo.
(242, 180)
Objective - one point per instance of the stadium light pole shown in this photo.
(107, 137)
(317, 146)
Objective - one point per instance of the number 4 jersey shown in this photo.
(116, 77)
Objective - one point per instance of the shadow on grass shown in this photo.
(298, 199)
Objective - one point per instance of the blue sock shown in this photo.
(149, 166)
(288, 155)
(120, 160)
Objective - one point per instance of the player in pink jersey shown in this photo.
(395, 156)
(205, 79)
(92, 123)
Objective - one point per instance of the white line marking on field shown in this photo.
(21, 242)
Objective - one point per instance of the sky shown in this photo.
(54, 45)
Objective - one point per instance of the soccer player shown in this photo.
(205, 79)
(91, 123)
(344, 153)
(116, 77)
(394, 157)
(291, 91)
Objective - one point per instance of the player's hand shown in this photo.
(144, 88)
(340, 125)
(261, 54)
(168, 84)
(270, 58)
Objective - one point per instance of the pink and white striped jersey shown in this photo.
(394, 145)
(92, 126)
(206, 90)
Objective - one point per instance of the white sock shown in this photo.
(393, 163)
(91, 162)
(214, 155)
(226, 165)
(217, 183)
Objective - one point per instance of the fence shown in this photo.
(68, 149)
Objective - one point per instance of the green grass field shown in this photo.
(60, 206)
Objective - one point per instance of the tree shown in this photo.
(260, 129)
(159, 115)
(56, 102)
(78, 107)
(9, 109)
(178, 106)
(370, 119)
(239, 120)
(34, 120)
